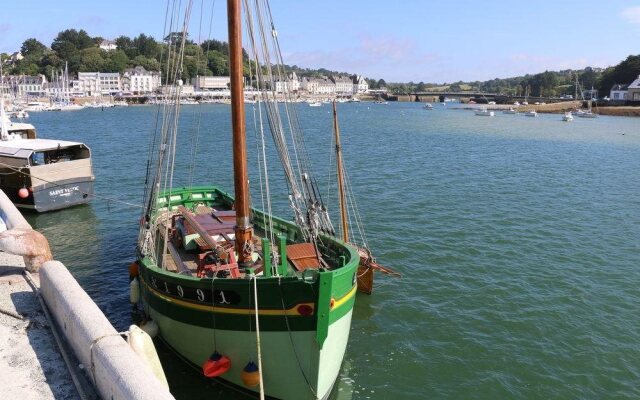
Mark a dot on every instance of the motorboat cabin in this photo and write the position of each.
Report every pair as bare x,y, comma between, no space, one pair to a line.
43,174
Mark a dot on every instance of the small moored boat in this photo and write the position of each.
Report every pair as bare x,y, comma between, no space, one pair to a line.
43,174
484,113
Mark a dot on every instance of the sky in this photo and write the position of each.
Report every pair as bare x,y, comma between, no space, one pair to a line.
399,41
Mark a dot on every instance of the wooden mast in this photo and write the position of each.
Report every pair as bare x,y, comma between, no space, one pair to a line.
244,228
343,200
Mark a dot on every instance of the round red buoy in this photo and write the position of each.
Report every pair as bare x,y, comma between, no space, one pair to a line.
216,365
23,193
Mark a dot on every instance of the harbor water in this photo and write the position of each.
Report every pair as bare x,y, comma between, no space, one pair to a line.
518,240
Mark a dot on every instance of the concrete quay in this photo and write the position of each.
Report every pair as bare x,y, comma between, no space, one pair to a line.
55,343
31,365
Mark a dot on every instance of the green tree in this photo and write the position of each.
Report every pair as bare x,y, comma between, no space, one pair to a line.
32,48
150,64
125,44
623,73
69,42
92,59
146,46
381,83
217,63
117,61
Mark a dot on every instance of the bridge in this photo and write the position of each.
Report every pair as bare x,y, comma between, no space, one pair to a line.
479,97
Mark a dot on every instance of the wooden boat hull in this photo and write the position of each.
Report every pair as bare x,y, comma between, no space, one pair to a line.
304,319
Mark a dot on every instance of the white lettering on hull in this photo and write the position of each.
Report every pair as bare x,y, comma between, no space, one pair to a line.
64,192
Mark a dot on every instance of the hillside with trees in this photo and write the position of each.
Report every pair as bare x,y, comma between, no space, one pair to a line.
83,54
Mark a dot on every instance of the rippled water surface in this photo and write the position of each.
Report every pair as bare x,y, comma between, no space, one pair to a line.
518,240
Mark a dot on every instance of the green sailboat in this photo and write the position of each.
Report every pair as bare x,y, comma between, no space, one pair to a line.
257,301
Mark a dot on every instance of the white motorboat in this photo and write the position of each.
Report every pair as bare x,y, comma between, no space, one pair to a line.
510,111
532,113
587,114
567,117
484,113
428,106
315,104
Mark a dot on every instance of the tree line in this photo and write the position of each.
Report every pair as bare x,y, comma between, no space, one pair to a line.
547,83
82,53
210,58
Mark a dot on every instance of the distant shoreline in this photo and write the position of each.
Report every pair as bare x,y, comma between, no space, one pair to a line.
559,108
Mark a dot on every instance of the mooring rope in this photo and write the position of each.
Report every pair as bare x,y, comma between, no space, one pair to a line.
100,197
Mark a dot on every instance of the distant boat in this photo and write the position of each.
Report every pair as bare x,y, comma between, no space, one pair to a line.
21,114
428,106
567,117
42,174
354,100
510,111
381,102
485,113
532,113
68,107
315,104
587,114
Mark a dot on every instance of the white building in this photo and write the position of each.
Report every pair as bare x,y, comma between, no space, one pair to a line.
326,86
108,45
618,92
634,90
25,85
171,90
15,57
139,81
203,83
98,83
318,86
290,84
344,85
360,84
309,85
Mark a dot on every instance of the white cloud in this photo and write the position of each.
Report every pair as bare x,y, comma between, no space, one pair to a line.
632,15
390,57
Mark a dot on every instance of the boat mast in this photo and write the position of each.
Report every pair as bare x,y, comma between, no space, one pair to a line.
343,200
244,228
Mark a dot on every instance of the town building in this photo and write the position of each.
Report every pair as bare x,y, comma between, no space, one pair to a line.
618,92
15,57
321,85
309,85
98,83
343,84
360,84
25,85
633,91
140,81
205,83
290,84
108,45
590,94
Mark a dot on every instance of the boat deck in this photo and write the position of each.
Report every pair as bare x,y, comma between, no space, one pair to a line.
186,248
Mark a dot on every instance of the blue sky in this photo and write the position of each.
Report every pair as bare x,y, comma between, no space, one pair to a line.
403,40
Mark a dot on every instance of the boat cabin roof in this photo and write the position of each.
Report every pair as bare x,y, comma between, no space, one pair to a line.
23,148
19,126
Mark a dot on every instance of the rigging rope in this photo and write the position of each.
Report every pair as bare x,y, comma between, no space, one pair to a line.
255,299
